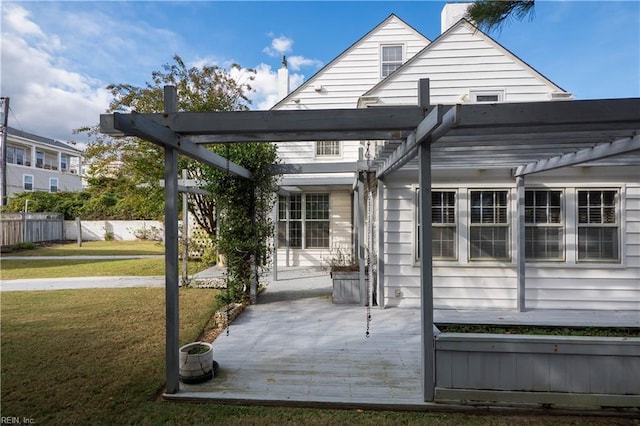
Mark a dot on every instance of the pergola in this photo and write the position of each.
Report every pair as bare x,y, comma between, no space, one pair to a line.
525,137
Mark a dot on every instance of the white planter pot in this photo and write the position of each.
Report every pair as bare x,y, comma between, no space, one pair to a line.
196,368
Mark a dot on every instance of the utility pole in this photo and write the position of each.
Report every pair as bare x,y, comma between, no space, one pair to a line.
3,152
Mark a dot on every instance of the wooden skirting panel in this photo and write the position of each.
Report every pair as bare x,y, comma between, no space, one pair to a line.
594,371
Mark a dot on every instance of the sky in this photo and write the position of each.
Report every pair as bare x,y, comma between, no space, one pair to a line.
57,57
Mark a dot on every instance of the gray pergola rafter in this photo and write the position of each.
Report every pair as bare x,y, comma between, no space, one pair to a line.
506,135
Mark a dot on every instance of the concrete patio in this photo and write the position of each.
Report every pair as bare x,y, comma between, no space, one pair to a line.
296,347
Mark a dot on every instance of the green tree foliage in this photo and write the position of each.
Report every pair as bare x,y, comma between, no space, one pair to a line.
206,88
245,208
492,14
106,199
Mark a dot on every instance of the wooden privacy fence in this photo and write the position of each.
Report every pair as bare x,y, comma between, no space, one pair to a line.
15,228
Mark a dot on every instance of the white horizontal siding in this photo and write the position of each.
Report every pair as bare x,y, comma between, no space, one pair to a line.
481,285
464,60
345,80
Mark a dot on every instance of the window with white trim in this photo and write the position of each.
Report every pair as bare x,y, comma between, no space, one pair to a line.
39,159
15,155
544,227
64,163
308,220
292,215
317,221
489,225
443,225
27,182
486,96
598,227
327,148
391,59
53,184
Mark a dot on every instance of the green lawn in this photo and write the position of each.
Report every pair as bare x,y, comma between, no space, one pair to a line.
96,356
97,248
54,268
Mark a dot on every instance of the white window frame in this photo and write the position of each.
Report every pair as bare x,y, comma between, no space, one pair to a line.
51,186
617,225
558,226
322,147
40,159
304,220
507,225
475,93
397,64
434,225
64,163
24,183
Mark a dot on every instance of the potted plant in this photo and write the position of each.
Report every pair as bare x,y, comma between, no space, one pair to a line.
196,362
344,271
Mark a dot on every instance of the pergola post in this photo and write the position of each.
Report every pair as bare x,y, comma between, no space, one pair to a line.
520,238
361,244
171,252
426,262
380,200
276,210
426,272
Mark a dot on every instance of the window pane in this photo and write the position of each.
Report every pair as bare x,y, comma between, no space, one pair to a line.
443,239
391,59
544,243
317,235
317,207
328,148
489,242
295,234
598,243
295,207
489,207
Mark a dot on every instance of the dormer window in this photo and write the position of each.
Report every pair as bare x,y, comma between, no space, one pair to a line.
486,96
391,59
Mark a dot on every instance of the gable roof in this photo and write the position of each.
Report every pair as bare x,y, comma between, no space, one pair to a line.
41,139
344,53
446,34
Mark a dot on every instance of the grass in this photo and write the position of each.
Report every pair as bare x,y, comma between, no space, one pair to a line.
97,248
54,268
60,268
96,356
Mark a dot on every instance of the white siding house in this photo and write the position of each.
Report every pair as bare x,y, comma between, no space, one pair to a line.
37,163
582,223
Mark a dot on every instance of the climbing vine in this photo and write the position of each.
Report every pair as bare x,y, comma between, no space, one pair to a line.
244,207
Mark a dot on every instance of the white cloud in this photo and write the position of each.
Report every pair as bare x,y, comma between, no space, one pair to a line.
265,85
46,99
297,62
279,46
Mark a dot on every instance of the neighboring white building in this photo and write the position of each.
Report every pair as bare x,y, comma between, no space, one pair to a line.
582,232
37,163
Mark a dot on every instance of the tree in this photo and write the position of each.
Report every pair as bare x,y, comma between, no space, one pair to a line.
492,14
206,88
244,205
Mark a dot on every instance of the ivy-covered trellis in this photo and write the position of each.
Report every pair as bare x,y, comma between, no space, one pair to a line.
244,207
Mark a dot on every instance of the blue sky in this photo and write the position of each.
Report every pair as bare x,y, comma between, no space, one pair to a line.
58,57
